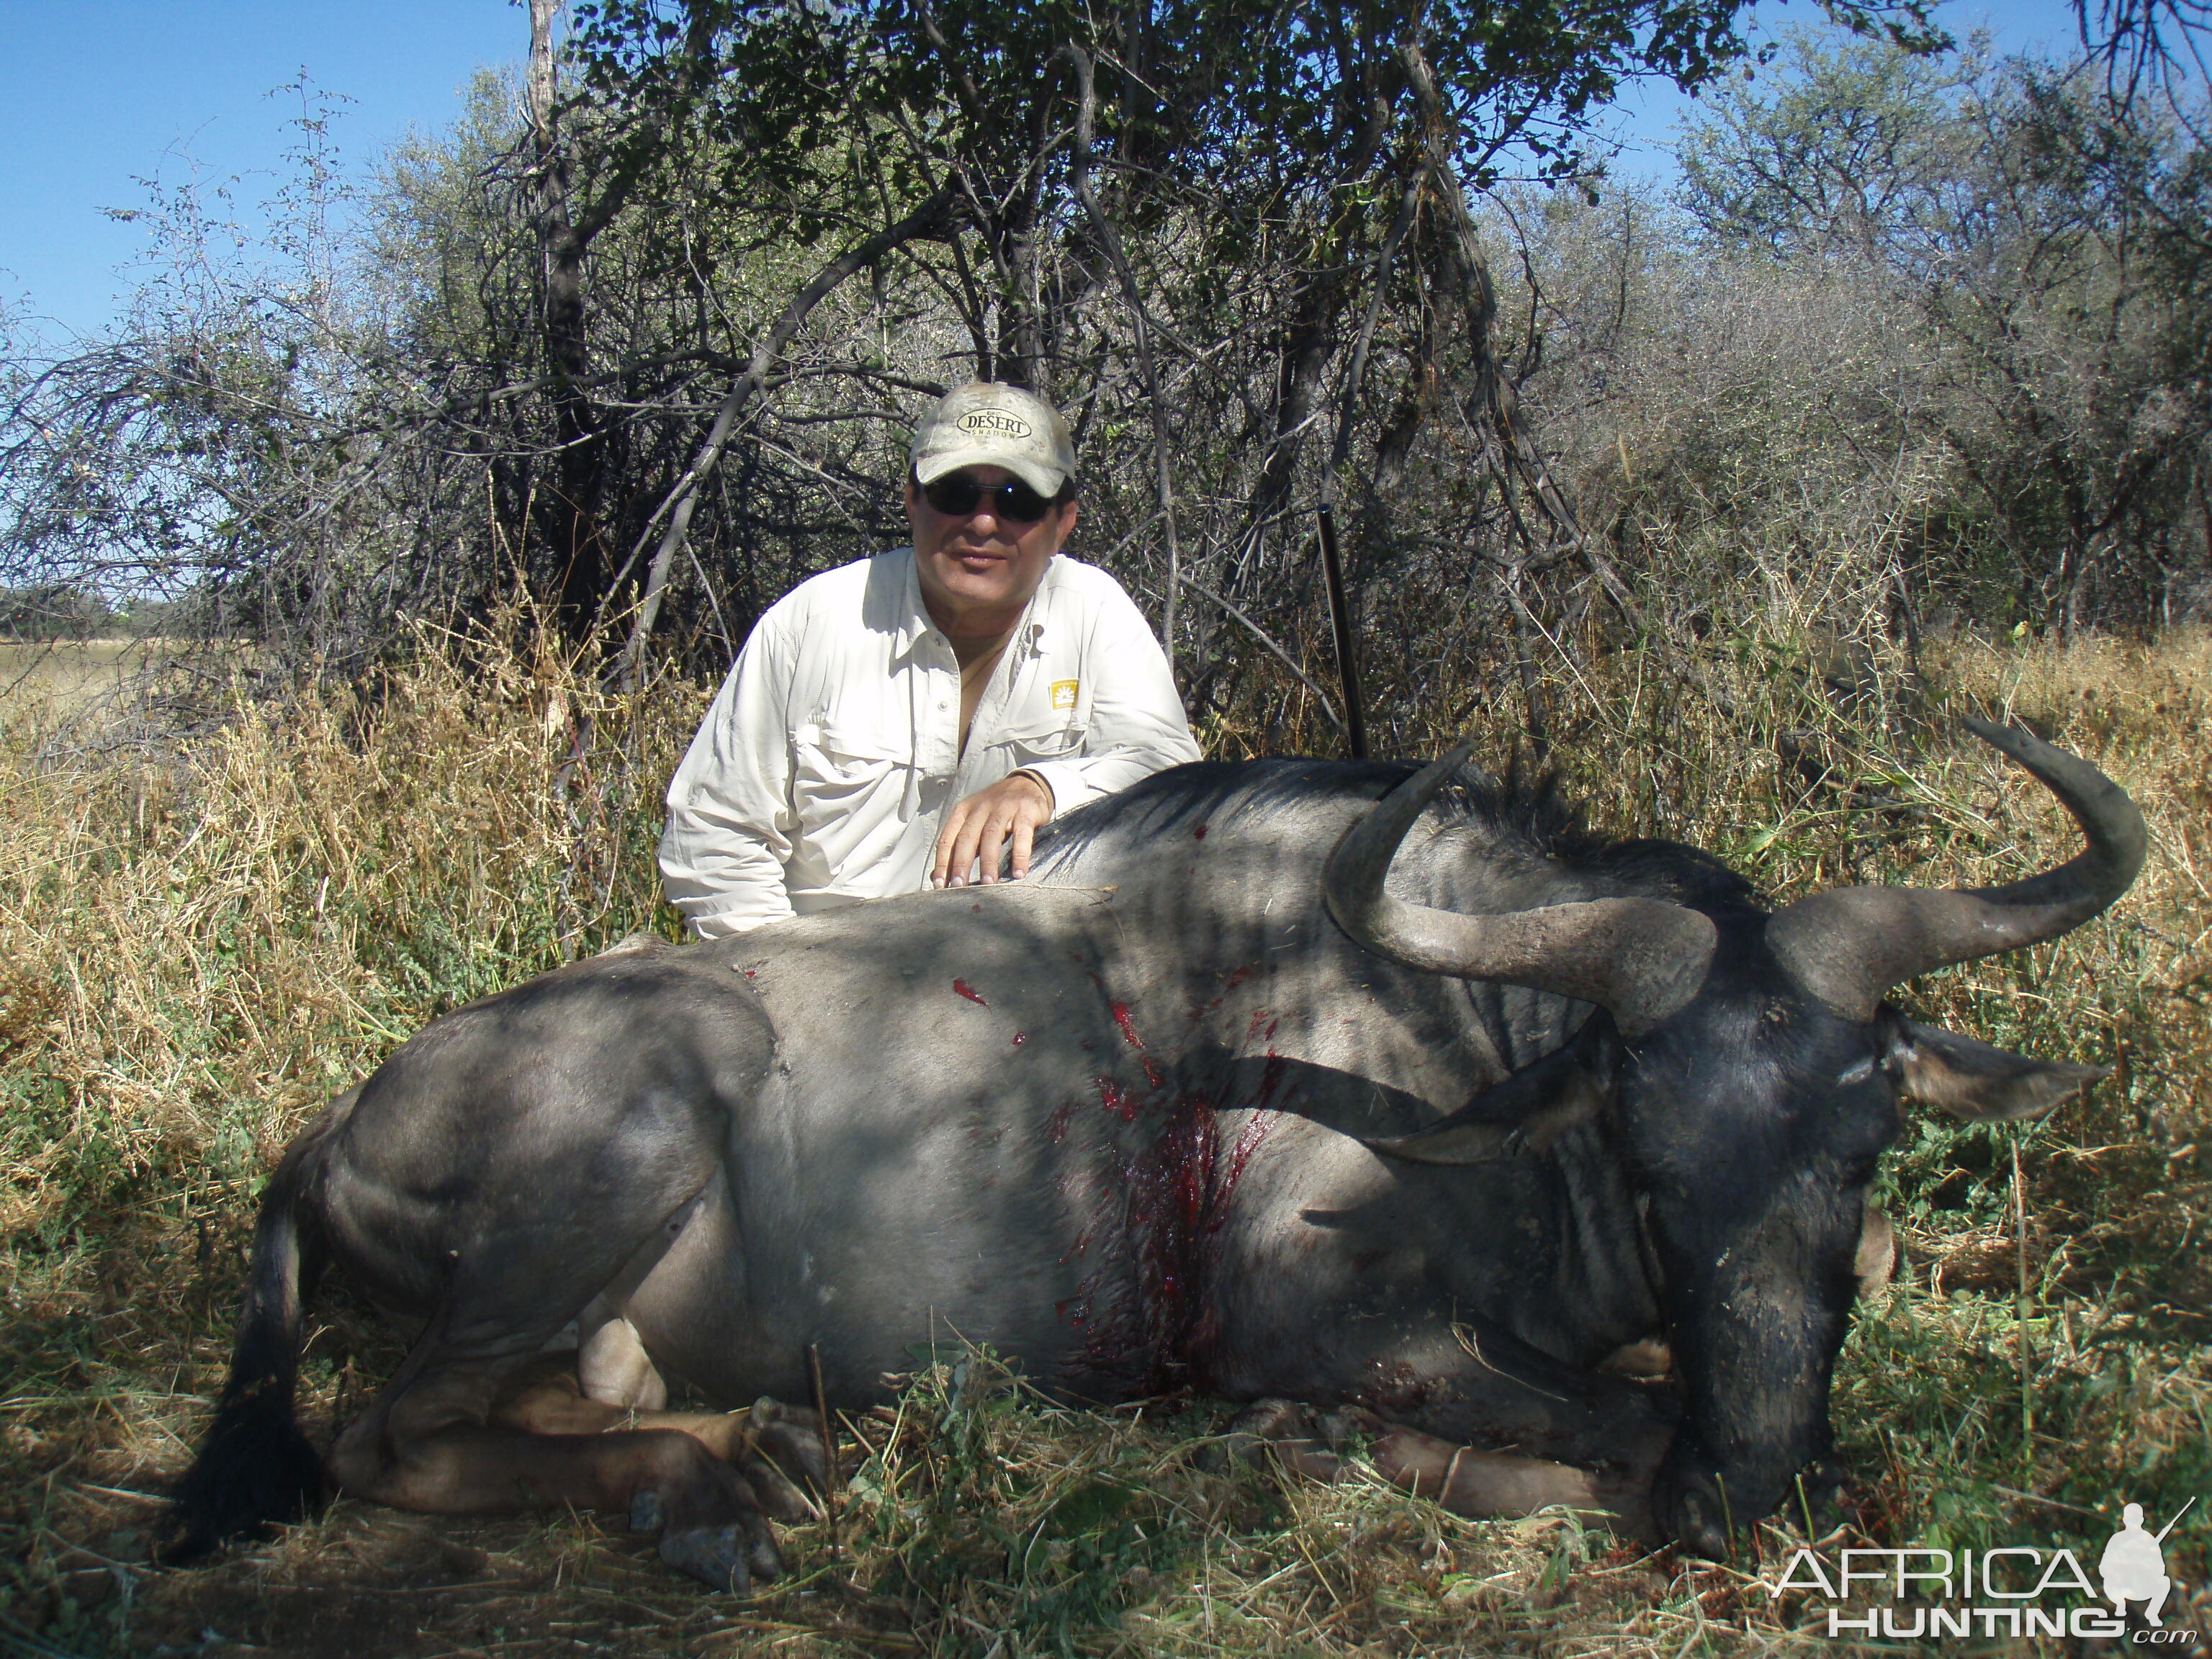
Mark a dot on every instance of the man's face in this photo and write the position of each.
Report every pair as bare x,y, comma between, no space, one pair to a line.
978,569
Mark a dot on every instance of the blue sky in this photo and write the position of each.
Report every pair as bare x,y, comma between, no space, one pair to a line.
95,93
1646,118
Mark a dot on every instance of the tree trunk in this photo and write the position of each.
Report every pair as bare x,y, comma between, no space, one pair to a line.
571,514
1300,360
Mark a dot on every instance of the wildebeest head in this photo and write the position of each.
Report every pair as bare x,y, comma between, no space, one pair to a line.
1753,1073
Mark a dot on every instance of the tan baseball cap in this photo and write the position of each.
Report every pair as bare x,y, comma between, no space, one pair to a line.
988,424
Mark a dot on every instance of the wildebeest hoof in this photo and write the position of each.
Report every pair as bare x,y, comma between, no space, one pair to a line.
1816,1500
779,1497
791,1438
645,1512
715,1556
1689,1504
1252,1431
1337,1428
1280,1429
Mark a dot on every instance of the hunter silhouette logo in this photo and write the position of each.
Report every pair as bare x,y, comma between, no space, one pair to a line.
996,422
2012,1590
2133,1566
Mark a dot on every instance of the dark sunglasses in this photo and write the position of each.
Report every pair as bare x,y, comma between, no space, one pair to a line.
957,494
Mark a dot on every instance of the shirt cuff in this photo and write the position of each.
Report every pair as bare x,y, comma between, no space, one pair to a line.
1065,780
1036,775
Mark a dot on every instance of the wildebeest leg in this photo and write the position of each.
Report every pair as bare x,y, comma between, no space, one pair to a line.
1470,1481
1463,1478
613,1366
1471,1383
1493,1427
1876,1264
429,1444
772,1446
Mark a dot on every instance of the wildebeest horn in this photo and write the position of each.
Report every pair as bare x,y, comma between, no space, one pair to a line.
1640,958
1849,946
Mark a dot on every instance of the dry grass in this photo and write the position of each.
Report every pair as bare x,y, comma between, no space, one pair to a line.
69,674
197,945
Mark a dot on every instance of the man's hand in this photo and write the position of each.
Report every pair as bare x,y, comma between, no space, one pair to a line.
979,826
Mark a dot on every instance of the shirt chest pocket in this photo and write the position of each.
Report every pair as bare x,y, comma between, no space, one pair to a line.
1059,738
832,762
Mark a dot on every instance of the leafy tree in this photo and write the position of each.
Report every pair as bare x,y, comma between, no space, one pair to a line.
2052,235
1322,153
1844,142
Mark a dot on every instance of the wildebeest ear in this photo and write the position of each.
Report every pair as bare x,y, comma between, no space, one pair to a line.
1528,1111
1975,1082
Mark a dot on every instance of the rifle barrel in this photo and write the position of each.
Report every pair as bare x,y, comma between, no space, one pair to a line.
2159,1536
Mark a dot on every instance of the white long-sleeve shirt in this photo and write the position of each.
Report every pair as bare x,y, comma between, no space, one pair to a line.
821,773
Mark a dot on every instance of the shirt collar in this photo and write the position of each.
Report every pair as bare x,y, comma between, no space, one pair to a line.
914,620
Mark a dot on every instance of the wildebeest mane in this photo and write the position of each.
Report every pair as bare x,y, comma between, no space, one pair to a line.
1523,814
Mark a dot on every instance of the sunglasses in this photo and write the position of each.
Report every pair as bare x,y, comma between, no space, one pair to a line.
957,495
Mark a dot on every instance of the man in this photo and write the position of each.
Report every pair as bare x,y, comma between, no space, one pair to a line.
2133,1567
898,722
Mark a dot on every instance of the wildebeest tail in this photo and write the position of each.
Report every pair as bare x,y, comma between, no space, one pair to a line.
256,1469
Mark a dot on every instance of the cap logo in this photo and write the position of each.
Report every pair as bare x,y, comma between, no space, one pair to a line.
992,422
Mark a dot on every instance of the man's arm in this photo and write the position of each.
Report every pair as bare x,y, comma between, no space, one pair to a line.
1137,725
729,816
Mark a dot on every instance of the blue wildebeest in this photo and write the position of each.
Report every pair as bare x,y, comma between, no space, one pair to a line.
1258,1086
